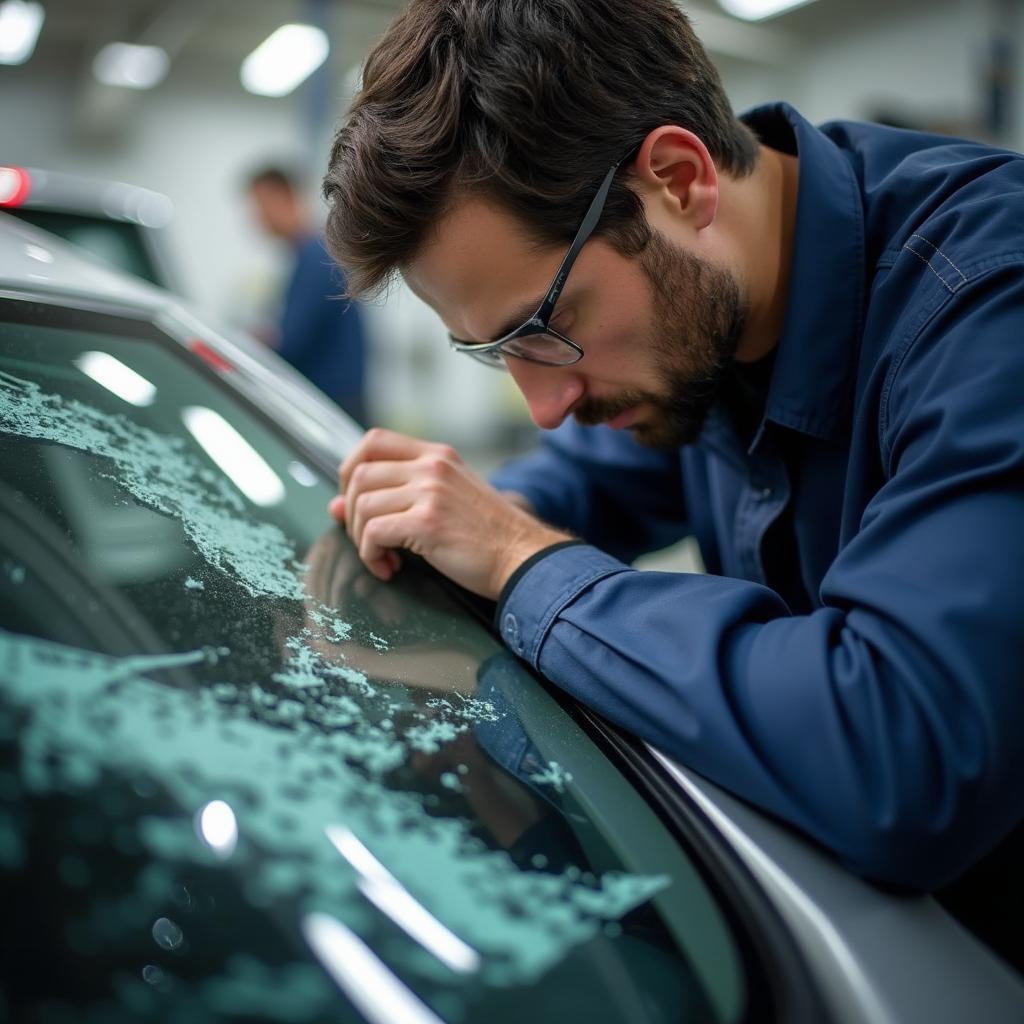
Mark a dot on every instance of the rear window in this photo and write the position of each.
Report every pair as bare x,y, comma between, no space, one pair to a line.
242,779
116,242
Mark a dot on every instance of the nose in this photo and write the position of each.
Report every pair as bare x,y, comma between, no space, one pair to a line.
550,391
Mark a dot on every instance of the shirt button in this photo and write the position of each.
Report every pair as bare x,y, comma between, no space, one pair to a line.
510,630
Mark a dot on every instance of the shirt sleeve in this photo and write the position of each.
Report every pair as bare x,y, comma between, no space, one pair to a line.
601,485
887,723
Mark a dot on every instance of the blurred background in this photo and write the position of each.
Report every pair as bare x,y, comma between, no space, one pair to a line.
177,97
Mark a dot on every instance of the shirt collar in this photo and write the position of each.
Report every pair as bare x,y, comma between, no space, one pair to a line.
811,385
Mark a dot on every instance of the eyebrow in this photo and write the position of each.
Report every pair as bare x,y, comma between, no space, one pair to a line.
518,317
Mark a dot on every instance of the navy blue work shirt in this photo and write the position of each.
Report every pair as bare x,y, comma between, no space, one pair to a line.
869,686
322,335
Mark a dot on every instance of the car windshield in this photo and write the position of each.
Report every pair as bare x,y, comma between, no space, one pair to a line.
240,776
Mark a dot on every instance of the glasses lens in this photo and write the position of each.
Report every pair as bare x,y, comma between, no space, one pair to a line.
542,348
489,357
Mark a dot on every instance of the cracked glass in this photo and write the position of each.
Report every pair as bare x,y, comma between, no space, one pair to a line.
240,779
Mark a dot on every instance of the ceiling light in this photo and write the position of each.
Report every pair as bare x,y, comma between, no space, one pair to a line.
20,23
131,67
285,59
759,10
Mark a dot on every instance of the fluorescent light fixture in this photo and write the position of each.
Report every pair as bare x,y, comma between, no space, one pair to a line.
20,24
121,380
284,59
367,981
216,824
759,10
131,67
246,468
390,897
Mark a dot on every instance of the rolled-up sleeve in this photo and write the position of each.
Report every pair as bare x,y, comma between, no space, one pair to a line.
887,722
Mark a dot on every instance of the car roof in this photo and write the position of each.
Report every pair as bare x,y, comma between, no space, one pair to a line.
71,193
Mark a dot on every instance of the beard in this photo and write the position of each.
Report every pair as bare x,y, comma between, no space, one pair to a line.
701,316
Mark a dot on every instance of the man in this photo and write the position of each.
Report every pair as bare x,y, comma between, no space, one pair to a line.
321,336
805,347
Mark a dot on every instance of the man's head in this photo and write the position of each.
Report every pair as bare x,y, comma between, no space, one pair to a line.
482,133
276,196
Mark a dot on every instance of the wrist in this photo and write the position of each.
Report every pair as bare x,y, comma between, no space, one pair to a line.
517,553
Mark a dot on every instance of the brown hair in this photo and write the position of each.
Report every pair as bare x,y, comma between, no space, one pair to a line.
524,102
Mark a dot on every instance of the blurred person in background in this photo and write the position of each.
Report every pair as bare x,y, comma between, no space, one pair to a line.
320,334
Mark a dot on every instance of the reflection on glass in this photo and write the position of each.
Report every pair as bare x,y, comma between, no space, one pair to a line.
117,378
302,474
374,989
167,934
234,455
386,893
217,825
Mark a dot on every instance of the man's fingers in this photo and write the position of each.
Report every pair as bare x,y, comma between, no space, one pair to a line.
382,534
368,505
369,476
378,445
383,566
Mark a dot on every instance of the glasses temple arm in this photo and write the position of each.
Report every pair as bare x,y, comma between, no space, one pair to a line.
590,219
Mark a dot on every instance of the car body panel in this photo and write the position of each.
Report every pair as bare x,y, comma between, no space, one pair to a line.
880,957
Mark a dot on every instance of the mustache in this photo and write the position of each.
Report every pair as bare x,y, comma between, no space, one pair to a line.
593,411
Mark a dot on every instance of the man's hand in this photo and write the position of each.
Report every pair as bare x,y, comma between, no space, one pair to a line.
398,492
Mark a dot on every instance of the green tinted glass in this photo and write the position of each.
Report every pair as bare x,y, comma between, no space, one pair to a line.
116,242
240,775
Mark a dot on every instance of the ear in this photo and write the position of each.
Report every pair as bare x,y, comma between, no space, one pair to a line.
676,172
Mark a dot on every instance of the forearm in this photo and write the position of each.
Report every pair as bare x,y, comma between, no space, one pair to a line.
841,722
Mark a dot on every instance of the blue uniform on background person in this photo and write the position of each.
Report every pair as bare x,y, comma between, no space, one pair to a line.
320,334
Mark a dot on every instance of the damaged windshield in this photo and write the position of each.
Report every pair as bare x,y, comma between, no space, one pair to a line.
239,774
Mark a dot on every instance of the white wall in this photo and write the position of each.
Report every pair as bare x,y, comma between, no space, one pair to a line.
921,60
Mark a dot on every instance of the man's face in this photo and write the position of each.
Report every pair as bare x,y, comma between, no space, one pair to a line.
657,331
275,208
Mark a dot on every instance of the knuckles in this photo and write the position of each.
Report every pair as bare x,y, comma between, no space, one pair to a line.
359,506
374,436
438,467
358,475
447,454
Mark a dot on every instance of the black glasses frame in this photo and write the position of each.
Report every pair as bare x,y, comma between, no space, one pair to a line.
491,352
